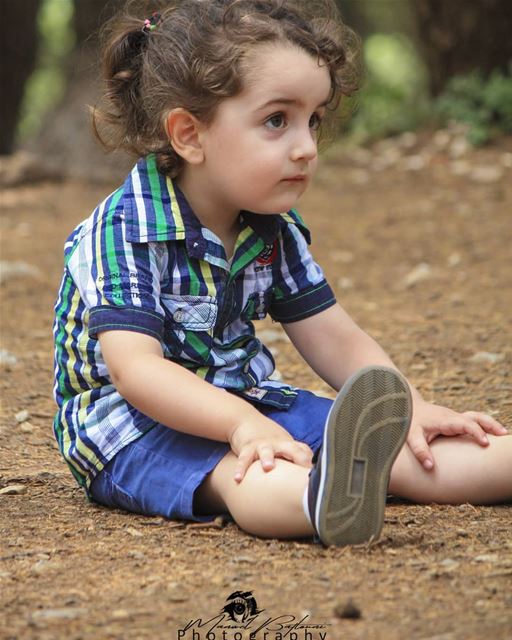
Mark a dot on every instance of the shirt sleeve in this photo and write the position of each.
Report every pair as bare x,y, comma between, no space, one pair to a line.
302,289
119,281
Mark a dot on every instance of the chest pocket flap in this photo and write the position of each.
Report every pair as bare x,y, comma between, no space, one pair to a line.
192,313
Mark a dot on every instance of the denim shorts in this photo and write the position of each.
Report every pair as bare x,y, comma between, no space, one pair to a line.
158,473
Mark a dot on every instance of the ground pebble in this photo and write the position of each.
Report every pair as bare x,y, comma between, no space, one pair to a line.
485,357
7,358
22,416
13,490
70,613
420,273
9,270
348,610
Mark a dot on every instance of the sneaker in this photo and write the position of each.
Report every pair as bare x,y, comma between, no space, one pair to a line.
364,432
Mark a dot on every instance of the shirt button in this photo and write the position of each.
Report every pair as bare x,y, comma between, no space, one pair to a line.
247,366
179,315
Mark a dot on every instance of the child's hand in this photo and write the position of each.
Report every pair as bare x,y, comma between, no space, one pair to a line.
430,420
266,440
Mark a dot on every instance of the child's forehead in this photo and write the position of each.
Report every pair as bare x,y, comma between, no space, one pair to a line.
284,71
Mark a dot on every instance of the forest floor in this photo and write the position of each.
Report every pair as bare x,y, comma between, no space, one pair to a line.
414,234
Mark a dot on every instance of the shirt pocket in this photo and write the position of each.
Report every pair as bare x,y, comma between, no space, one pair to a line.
190,321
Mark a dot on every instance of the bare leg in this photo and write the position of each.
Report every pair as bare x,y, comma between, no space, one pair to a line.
266,504
464,472
269,504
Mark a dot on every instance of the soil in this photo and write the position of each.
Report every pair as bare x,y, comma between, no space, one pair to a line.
418,251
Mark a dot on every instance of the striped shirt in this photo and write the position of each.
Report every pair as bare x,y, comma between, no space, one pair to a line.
143,262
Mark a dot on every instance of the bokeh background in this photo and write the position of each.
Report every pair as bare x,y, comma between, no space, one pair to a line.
427,62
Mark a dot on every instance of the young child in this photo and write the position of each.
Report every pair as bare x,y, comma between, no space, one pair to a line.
166,401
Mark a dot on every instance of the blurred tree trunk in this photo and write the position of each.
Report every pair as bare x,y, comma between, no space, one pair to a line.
66,140
459,36
18,50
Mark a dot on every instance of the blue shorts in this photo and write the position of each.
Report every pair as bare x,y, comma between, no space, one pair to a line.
159,473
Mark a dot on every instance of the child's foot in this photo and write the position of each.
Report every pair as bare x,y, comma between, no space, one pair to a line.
364,432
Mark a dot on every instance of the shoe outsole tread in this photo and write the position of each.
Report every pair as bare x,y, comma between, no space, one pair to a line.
366,428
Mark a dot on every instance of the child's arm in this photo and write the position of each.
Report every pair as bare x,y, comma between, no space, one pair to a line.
335,347
177,398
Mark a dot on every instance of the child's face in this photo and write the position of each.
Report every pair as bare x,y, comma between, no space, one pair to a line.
260,151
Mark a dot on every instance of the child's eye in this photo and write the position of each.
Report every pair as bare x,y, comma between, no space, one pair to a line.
277,121
315,121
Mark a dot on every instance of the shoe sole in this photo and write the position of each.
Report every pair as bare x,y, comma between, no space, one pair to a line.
365,430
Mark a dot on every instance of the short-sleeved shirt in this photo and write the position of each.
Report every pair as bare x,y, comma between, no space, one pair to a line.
143,262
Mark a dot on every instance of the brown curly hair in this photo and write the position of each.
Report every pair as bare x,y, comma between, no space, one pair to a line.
194,59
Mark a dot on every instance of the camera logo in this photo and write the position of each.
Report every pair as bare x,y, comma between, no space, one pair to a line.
240,606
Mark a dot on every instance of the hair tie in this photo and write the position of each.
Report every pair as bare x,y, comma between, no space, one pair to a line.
150,24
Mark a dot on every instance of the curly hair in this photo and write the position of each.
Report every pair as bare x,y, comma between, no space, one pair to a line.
194,59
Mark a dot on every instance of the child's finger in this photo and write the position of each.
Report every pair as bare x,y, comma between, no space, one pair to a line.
296,452
266,455
419,446
487,422
245,459
473,429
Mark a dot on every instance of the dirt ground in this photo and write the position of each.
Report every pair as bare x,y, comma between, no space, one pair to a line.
415,237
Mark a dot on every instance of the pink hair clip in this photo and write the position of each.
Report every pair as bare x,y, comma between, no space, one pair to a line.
150,24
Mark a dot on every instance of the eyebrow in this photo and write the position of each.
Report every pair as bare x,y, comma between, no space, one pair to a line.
280,101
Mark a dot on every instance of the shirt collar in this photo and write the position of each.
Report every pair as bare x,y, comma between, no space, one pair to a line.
156,210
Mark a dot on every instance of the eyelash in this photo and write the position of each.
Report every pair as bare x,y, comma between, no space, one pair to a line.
316,117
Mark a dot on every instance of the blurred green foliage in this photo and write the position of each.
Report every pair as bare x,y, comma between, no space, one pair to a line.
394,94
46,85
483,104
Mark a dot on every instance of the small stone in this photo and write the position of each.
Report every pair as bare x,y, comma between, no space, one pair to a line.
449,563
486,357
13,490
414,163
10,270
7,359
420,273
70,613
487,174
442,138
454,259
506,160
459,147
135,533
22,416
486,558
26,427
176,597
120,614
43,566
407,140
349,610
345,283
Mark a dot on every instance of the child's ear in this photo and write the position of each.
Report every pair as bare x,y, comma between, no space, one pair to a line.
183,131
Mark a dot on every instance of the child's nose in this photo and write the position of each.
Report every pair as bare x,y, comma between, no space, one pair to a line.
304,147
